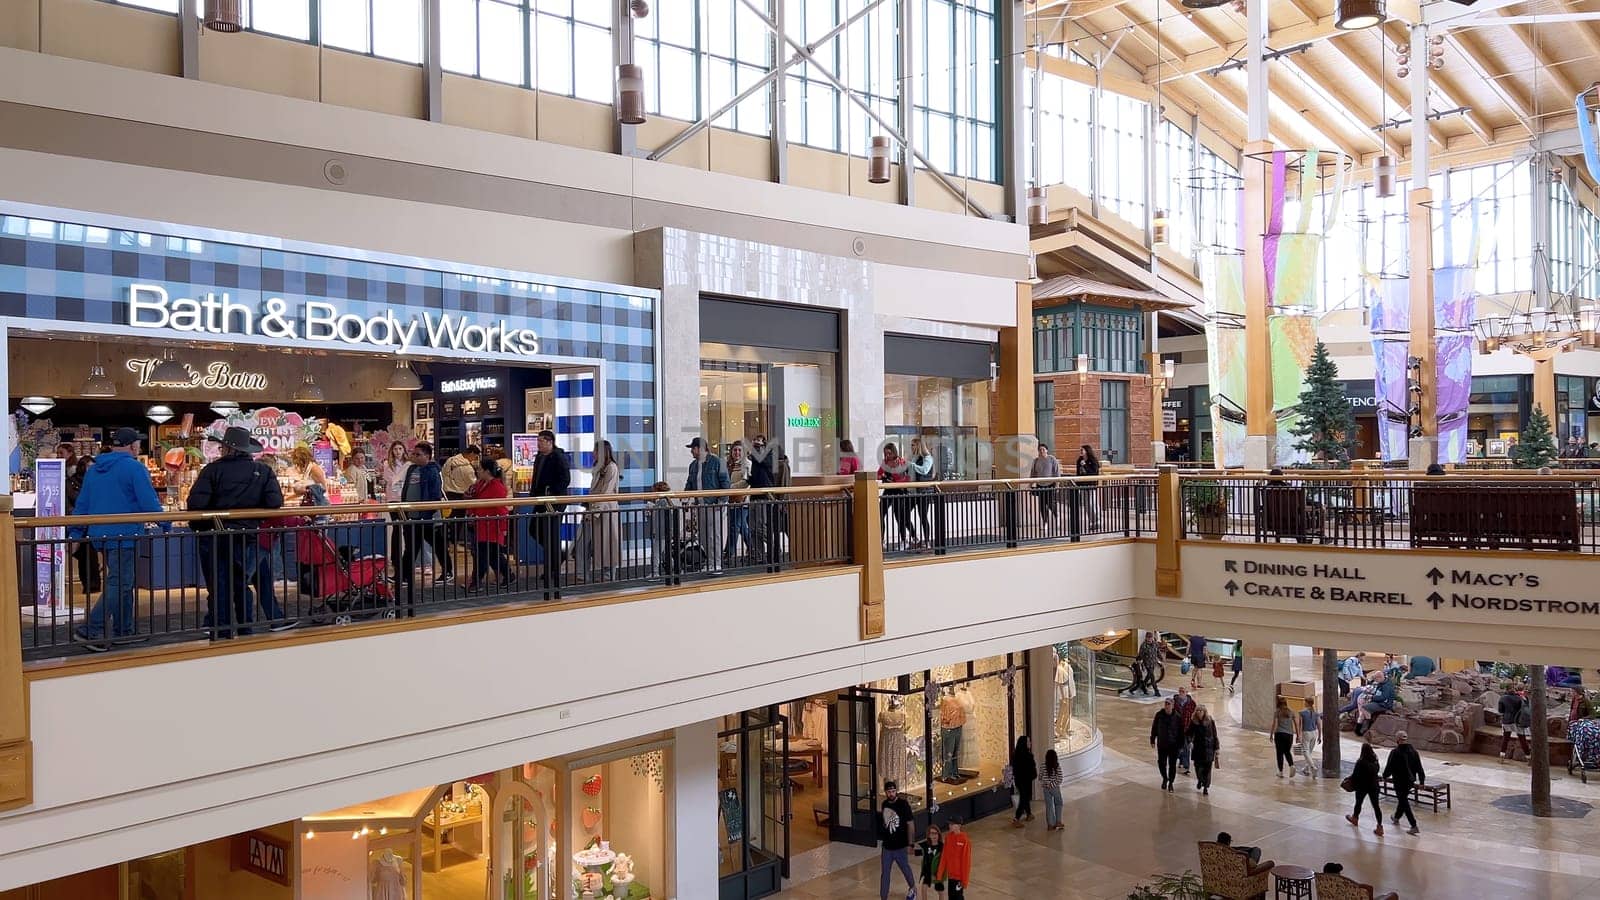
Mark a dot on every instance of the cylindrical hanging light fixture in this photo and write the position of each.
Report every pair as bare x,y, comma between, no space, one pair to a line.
630,94
878,159
403,379
226,16
1038,206
1158,228
1353,15
1383,172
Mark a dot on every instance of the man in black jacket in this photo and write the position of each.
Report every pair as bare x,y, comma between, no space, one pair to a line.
552,475
228,550
1404,770
761,464
1166,735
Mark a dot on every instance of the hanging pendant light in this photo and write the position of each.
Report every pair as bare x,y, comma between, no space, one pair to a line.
1383,173
309,391
1353,15
97,385
1038,206
159,413
169,373
878,160
1205,4
630,94
1158,228
226,16
403,379
37,405
224,407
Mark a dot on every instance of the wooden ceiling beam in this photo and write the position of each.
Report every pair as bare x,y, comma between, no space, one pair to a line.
1471,50
1530,42
1278,38
1399,94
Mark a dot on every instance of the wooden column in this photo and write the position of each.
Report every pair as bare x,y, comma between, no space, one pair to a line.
1169,526
1424,451
1260,425
868,552
16,747
1544,387
1014,440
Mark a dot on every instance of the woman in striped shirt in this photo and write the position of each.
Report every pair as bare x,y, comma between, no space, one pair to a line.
1051,785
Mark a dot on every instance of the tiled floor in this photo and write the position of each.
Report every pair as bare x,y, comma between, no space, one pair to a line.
1121,829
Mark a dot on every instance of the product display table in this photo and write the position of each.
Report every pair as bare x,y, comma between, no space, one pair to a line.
808,748
437,831
1292,881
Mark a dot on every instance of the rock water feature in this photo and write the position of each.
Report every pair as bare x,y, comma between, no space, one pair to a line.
1440,713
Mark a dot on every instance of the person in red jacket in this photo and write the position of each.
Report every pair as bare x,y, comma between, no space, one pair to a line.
490,526
955,866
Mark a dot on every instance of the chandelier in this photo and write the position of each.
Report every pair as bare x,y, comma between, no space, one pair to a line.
1542,327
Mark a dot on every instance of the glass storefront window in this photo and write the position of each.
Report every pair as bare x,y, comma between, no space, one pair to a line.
951,417
616,825
791,396
1494,414
1074,698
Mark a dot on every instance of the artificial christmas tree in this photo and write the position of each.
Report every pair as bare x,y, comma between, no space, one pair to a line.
1327,425
1536,446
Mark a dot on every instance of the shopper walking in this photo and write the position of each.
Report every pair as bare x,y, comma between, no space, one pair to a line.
1166,735
1238,664
1524,722
895,469
738,509
1136,677
1024,771
1088,466
849,462
1364,782
228,550
707,473
1510,709
598,548
1197,660
552,476
1349,673
459,473
1151,653
422,484
83,552
1404,771
1183,704
116,483
955,866
1045,466
765,517
1050,786
1310,735
491,526
931,851
921,499
895,827
1285,729
1203,746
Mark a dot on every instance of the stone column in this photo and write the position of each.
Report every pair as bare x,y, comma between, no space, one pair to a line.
694,811
1263,670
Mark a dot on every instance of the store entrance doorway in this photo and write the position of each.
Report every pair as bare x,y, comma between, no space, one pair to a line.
755,782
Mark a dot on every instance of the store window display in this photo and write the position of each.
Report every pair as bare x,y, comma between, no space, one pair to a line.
616,826
1073,698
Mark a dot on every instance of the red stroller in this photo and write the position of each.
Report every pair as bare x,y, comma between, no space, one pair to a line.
344,589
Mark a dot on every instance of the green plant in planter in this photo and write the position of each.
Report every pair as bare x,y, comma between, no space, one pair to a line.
1207,503
1186,886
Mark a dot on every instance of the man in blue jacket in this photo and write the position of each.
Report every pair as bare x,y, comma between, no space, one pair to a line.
423,483
117,483
707,473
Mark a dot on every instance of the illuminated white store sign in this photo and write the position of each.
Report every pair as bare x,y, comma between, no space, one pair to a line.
468,385
216,376
149,306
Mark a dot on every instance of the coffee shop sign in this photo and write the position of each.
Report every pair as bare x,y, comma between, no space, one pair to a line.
150,306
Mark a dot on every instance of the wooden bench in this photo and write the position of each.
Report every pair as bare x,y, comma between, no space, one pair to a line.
1432,793
1493,515
1283,511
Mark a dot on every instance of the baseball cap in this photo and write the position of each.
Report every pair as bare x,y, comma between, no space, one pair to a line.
124,437
697,442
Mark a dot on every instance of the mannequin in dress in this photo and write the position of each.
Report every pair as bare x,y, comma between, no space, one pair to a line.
1066,690
952,717
968,757
388,877
892,743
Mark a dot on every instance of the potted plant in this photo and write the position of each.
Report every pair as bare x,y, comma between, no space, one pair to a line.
1170,887
1207,504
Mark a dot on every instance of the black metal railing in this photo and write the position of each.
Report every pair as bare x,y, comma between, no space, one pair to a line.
945,517
1389,510
95,584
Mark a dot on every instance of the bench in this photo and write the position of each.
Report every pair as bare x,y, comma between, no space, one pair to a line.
1537,516
1432,793
1283,511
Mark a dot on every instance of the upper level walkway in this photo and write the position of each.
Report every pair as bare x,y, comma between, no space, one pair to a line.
673,609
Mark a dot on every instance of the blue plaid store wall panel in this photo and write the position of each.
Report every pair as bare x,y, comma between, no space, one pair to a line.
67,268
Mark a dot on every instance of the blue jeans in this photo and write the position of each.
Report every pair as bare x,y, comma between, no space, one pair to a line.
892,858
230,557
738,527
1052,807
117,599
1183,755
268,567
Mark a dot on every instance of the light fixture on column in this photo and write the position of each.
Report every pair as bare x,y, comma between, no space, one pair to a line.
639,8
630,94
1383,172
1083,367
226,16
309,391
97,385
878,159
402,378
1038,206
1158,228
37,405
1353,15
224,407
159,413
169,373
1164,379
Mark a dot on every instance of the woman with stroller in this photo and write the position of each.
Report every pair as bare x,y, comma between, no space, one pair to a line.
490,527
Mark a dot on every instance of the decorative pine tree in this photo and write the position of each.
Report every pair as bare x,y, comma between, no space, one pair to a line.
1536,446
1327,425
